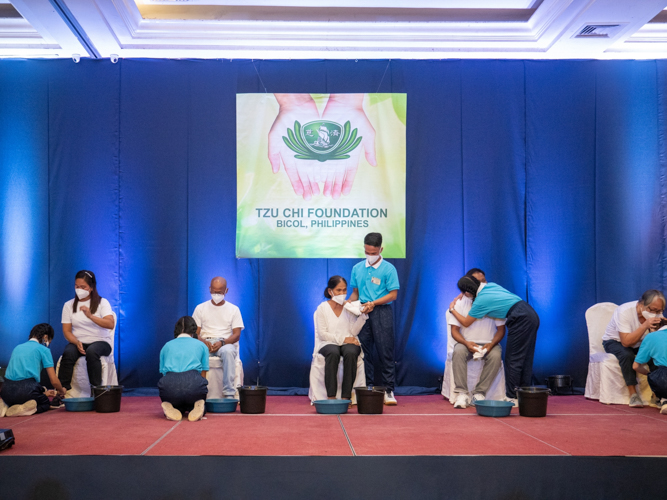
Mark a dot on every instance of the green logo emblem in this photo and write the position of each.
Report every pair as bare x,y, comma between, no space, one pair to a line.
322,140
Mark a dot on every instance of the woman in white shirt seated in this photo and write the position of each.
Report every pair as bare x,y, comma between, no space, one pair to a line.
87,320
337,331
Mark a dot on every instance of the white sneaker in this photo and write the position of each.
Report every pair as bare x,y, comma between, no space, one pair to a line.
389,399
170,412
197,412
462,400
27,408
655,401
663,406
477,397
3,408
636,401
511,400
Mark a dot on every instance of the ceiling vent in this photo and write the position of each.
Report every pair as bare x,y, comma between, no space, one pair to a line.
598,31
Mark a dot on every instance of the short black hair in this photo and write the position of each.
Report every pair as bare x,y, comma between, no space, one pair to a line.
373,240
42,330
469,284
475,270
186,324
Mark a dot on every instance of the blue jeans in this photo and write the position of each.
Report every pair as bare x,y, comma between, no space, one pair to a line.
657,380
227,354
183,389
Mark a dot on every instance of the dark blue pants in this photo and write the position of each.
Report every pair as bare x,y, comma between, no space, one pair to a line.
625,356
522,324
657,380
17,392
183,390
332,354
71,355
379,332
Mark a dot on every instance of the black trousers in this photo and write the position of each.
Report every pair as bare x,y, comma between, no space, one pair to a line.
183,389
657,380
626,357
522,324
332,354
379,332
71,355
17,392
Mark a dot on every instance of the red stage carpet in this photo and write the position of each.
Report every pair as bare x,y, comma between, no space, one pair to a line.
419,425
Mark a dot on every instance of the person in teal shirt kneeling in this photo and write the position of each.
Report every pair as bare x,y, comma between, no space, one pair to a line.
22,394
492,300
184,363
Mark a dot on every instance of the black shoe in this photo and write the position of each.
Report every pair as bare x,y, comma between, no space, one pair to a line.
57,402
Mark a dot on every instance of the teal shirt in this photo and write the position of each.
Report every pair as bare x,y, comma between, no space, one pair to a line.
653,347
374,283
493,301
182,355
27,361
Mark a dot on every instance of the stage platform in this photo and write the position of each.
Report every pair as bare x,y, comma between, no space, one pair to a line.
419,425
423,434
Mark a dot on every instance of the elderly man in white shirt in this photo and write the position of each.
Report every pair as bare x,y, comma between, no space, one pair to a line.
481,338
219,325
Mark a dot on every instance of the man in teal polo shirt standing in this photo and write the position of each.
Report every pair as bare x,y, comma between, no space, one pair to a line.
375,283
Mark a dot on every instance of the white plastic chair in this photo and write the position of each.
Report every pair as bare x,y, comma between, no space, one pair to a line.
497,389
80,383
605,379
214,376
318,390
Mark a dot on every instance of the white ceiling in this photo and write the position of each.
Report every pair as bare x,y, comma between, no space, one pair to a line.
332,29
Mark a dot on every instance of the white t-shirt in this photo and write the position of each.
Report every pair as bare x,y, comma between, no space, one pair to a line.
624,320
83,328
482,330
217,322
332,329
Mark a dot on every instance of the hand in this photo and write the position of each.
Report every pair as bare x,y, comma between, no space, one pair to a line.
215,347
652,323
351,340
301,173
368,307
339,174
62,391
472,347
85,310
50,393
79,346
452,304
488,347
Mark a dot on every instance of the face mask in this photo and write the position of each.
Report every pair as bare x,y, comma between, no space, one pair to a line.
45,343
338,299
217,297
81,293
650,315
372,259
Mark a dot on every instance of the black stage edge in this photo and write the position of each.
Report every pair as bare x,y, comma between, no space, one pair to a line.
192,478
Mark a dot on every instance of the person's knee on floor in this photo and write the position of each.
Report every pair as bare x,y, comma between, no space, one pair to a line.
22,393
183,364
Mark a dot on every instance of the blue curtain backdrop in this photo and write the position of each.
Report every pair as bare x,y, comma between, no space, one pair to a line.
550,175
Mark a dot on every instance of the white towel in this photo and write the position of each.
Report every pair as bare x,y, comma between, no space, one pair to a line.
354,307
479,354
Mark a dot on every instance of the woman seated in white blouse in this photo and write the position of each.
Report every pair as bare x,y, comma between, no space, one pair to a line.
337,331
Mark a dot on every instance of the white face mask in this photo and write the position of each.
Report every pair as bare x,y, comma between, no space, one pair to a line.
372,259
650,315
45,343
217,297
338,299
81,293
